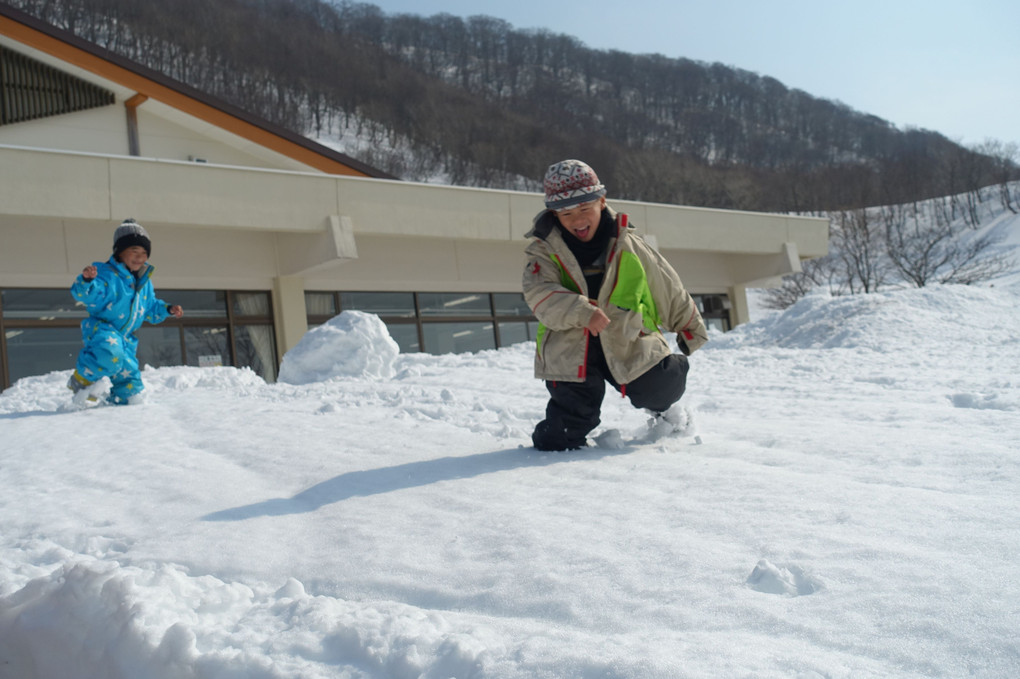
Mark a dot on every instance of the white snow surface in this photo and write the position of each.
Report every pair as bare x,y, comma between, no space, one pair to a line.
851,510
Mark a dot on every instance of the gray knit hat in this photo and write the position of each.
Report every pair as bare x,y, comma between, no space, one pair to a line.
131,233
569,183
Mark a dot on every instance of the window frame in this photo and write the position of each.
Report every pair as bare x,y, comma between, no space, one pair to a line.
419,320
713,306
230,319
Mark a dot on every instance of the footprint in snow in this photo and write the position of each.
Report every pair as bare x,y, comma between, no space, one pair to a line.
784,580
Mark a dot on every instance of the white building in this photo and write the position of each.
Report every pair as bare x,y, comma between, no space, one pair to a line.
259,233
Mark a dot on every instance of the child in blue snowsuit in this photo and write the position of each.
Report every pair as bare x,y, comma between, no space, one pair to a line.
119,296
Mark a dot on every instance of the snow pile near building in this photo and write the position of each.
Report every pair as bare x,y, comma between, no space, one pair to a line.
353,344
883,321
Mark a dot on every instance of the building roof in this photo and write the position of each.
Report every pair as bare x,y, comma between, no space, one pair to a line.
90,57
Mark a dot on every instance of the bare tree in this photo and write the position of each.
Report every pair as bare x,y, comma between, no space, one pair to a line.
943,251
858,244
1007,170
975,260
815,273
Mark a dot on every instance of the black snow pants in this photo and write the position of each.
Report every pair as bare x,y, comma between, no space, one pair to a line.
574,407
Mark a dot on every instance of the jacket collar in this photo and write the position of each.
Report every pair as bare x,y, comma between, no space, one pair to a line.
545,222
122,271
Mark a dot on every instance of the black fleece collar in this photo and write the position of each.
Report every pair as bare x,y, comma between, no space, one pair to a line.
587,253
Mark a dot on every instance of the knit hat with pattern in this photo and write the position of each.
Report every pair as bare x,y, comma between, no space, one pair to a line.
131,233
569,183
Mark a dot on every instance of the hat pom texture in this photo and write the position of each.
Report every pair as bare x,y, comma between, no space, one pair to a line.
131,233
569,183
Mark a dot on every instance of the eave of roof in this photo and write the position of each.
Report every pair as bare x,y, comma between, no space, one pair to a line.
68,47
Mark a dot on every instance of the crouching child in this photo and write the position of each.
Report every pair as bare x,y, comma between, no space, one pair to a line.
602,297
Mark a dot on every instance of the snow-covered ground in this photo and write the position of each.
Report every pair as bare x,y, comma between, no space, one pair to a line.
851,510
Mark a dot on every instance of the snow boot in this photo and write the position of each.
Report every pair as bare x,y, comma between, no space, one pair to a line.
80,387
549,436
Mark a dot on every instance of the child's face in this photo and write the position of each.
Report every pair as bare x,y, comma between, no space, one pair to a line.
134,258
582,220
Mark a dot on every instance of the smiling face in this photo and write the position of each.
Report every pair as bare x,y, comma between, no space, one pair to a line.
133,258
582,220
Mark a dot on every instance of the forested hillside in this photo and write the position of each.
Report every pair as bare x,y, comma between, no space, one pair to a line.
477,102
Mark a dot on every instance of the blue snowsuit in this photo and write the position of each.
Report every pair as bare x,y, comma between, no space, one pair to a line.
118,302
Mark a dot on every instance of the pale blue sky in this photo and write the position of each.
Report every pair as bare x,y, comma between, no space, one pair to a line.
952,66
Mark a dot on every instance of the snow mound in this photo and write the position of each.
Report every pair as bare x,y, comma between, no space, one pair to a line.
883,321
106,620
44,393
49,393
353,344
769,578
186,378
990,401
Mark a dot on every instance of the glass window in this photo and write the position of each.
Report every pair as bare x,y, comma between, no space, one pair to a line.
159,345
52,339
251,304
715,310
41,304
256,348
406,336
379,303
320,304
447,338
197,303
515,332
453,304
510,304
37,351
719,324
206,346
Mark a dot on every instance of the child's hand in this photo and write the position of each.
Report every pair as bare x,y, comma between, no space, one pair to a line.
89,272
176,311
599,322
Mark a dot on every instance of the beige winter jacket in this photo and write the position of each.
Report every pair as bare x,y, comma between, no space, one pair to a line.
641,294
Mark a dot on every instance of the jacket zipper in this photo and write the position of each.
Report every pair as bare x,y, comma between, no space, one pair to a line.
582,370
621,226
136,284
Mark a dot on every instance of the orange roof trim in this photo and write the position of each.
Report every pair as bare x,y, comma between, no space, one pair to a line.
148,83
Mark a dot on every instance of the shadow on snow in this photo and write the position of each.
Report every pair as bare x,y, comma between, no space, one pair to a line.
403,476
